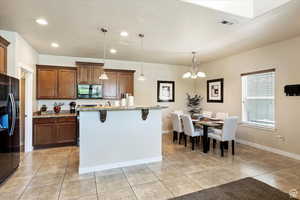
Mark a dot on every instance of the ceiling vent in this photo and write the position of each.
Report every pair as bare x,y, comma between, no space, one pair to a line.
227,22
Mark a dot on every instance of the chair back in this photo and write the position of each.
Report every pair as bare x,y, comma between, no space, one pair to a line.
221,116
229,128
207,114
188,126
176,122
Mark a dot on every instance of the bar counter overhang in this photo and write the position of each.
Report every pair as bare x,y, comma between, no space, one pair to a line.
119,137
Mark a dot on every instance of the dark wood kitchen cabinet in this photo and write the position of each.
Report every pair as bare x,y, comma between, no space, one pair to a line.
88,73
3,55
119,82
110,86
54,131
54,82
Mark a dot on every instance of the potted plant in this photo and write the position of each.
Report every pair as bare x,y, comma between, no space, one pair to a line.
194,105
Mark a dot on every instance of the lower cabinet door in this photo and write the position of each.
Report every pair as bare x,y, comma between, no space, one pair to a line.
66,133
44,134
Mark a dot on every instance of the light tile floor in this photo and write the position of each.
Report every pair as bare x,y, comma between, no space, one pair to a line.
51,174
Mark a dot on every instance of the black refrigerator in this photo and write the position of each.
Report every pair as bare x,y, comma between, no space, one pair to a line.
9,126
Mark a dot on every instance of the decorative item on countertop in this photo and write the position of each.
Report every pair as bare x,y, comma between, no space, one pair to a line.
57,107
72,107
194,105
130,101
43,109
103,115
117,103
292,90
123,102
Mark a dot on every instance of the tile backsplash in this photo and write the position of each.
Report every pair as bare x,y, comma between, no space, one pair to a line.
50,103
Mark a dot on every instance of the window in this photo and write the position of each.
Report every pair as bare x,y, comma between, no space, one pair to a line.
258,98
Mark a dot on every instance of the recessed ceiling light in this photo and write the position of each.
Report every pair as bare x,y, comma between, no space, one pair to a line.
41,21
124,34
113,51
55,45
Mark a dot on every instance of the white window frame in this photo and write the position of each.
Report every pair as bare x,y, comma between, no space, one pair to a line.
244,97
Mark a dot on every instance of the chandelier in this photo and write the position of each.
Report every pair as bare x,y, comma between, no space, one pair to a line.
194,73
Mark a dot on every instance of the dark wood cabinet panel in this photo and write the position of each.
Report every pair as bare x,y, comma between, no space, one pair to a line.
66,133
83,74
44,134
67,84
54,82
3,55
125,83
110,87
88,73
2,60
96,72
53,131
47,83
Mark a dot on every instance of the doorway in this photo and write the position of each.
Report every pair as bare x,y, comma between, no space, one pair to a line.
22,111
26,107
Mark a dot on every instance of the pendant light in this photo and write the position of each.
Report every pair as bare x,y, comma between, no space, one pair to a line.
193,74
142,76
103,75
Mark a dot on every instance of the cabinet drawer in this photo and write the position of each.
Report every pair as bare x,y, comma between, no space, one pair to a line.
44,120
66,119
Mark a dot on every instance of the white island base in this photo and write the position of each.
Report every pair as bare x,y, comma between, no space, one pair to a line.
123,139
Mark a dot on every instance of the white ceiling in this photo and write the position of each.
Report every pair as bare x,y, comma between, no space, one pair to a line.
172,28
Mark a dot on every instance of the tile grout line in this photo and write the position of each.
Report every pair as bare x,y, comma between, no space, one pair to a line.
131,187
63,179
95,179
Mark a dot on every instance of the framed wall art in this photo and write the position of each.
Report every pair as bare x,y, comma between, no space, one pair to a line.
215,91
165,91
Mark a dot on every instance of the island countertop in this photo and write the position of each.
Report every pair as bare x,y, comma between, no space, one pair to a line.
119,108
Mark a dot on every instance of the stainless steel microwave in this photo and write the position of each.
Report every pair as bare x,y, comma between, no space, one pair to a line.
86,91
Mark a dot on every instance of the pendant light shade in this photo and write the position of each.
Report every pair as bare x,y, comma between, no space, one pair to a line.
103,75
194,73
142,76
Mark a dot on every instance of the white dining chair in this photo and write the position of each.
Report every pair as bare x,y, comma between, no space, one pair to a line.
189,130
207,114
221,116
226,134
177,126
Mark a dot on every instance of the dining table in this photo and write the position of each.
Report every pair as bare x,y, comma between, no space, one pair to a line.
207,123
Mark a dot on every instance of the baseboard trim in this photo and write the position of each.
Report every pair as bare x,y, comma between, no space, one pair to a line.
270,149
83,170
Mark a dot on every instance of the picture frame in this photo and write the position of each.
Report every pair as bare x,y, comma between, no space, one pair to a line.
165,91
215,91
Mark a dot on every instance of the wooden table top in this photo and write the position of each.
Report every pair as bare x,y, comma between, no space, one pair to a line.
210,123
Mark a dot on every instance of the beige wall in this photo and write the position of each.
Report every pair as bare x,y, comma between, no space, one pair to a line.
144,92
283,56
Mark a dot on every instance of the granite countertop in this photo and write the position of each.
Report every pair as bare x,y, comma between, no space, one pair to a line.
63,113
119,108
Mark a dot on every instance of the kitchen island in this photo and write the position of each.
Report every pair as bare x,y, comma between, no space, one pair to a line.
112,137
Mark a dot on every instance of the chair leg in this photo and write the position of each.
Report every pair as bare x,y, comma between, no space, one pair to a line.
175,136
214,143
185,138
232,143
225,144
222,148
193,143
180,136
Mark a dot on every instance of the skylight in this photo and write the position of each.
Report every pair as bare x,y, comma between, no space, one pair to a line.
243,8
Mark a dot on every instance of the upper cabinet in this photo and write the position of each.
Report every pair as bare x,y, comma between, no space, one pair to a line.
3,55
56,82
119,82
88,73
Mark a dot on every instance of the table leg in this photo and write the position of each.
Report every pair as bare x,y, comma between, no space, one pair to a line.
205,132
